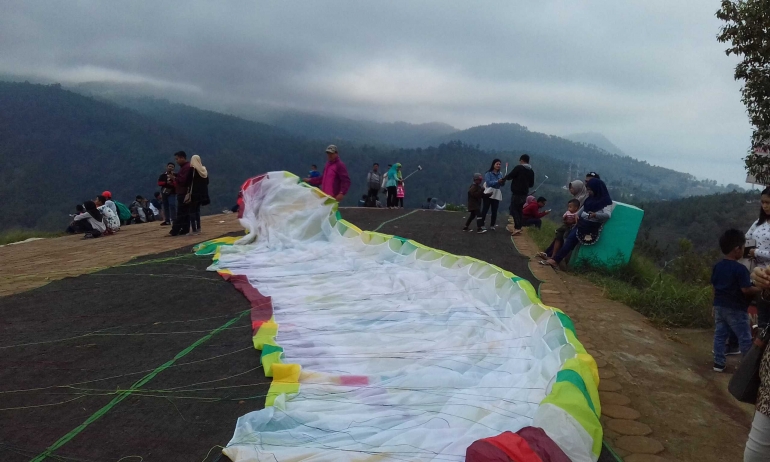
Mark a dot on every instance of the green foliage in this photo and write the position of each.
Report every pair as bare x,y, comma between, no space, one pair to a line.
746,27
455,208
676,295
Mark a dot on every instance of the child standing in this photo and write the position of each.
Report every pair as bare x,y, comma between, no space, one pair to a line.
400,194
475,195
732,291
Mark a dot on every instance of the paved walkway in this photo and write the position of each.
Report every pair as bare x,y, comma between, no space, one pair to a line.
660,401
34,264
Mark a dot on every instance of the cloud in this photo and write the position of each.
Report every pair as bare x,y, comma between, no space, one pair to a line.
649,75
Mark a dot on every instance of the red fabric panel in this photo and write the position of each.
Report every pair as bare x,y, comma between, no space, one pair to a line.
261,306
543,445
354,380
515,446
484,451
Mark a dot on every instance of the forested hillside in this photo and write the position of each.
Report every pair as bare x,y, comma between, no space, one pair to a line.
628,171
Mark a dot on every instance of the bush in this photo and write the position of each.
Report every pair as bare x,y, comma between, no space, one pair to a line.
18,235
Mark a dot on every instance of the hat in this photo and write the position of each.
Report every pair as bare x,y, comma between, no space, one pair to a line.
331,149
107,194
593,175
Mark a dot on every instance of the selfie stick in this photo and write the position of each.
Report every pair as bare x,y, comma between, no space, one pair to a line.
541,184
418,169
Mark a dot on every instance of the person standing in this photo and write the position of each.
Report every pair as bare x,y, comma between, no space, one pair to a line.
400,194
335,180
394,176
758,443
199,192
494,180
373,182
522,177
760,233
182,182
166,183
475,195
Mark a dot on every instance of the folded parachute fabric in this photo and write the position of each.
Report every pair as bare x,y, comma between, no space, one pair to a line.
380,348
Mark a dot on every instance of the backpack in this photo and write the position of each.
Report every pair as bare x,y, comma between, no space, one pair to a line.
123,212
149,215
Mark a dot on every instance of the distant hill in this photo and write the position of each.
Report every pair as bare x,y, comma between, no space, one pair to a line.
596,139
616,170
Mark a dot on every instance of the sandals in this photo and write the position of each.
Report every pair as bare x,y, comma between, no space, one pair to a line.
541,255
545,263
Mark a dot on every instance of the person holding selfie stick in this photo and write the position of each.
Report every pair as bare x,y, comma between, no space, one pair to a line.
759,233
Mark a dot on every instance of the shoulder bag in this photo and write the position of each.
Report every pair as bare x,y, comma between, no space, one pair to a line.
744,385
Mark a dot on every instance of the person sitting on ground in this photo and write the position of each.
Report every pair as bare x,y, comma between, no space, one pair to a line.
426,205
434,204
732,291
156,205
137,210
362,201
111,220
475,196
109,202
90,223
79,210
591,175
531,211
596,210
313,176
578,190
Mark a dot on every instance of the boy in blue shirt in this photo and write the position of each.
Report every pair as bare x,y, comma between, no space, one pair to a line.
732,293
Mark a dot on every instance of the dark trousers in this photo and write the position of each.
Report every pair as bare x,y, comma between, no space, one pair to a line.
392,196
400,202
83,227
473,214
195,215
169,208
536,222
763,313
517,205
570,242
182,222
561,233
489,204
371,196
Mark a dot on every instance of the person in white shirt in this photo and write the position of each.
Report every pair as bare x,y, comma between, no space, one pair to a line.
111,219
760,233
91,223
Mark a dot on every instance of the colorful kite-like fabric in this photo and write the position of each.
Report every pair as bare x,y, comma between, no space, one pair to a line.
382,349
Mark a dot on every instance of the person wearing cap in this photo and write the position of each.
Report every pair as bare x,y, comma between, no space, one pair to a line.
109,203
590,175
335,180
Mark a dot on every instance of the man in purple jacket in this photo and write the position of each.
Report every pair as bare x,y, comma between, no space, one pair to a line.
335,180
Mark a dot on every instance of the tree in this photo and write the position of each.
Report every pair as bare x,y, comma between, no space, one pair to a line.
747,30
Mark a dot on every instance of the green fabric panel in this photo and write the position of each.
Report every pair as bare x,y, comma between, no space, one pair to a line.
568,397
566,322
402,239
267,349
567,375
617,239
338,215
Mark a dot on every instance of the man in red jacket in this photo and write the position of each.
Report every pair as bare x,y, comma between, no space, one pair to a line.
335,180
531,212
182,183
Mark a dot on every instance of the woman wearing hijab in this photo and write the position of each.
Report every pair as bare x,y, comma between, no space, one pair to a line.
394,176
91,223
596,210
492,194
578,190
199,192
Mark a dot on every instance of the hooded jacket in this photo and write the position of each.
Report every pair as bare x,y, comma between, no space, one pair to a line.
393,176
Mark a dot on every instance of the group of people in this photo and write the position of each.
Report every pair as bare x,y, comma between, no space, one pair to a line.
104,216
182,194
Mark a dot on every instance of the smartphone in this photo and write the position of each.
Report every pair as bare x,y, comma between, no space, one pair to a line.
750,244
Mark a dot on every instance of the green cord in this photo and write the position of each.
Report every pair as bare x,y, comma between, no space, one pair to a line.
138,384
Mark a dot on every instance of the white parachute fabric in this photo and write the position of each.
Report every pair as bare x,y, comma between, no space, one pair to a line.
406,353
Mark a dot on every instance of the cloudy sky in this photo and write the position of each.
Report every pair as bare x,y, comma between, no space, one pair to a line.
649,74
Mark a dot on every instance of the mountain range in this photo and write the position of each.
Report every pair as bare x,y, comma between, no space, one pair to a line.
59,147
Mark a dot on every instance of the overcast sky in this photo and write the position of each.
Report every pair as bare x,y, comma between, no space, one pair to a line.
649,74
